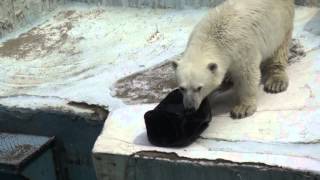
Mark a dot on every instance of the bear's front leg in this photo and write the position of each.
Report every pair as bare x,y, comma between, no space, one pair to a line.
275,69
246,88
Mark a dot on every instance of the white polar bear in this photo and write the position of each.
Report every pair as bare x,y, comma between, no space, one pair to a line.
237,37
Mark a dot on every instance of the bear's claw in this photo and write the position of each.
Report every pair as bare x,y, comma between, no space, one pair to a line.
276,84
242,111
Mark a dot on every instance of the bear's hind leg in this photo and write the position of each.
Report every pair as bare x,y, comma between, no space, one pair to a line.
274,70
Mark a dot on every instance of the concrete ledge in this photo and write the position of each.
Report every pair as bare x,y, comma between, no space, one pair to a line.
159,166
75,126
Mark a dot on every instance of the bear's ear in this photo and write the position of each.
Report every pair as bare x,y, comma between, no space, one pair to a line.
212,67
174,64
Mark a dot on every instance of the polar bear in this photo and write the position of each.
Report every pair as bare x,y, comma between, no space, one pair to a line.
236,38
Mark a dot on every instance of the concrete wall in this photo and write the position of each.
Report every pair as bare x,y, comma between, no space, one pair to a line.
175,3
17,13
75,135
178,4
308,2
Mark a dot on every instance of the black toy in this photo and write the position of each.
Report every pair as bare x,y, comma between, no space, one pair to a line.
168,125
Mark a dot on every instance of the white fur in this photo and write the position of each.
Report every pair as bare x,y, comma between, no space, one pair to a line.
237,35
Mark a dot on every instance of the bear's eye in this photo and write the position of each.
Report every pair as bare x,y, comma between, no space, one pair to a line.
182,89
198,89
212,67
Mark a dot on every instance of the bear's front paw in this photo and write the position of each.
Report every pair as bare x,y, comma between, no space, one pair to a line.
242,111
276,83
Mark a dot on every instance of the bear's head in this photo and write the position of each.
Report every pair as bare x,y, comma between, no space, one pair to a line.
197,75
